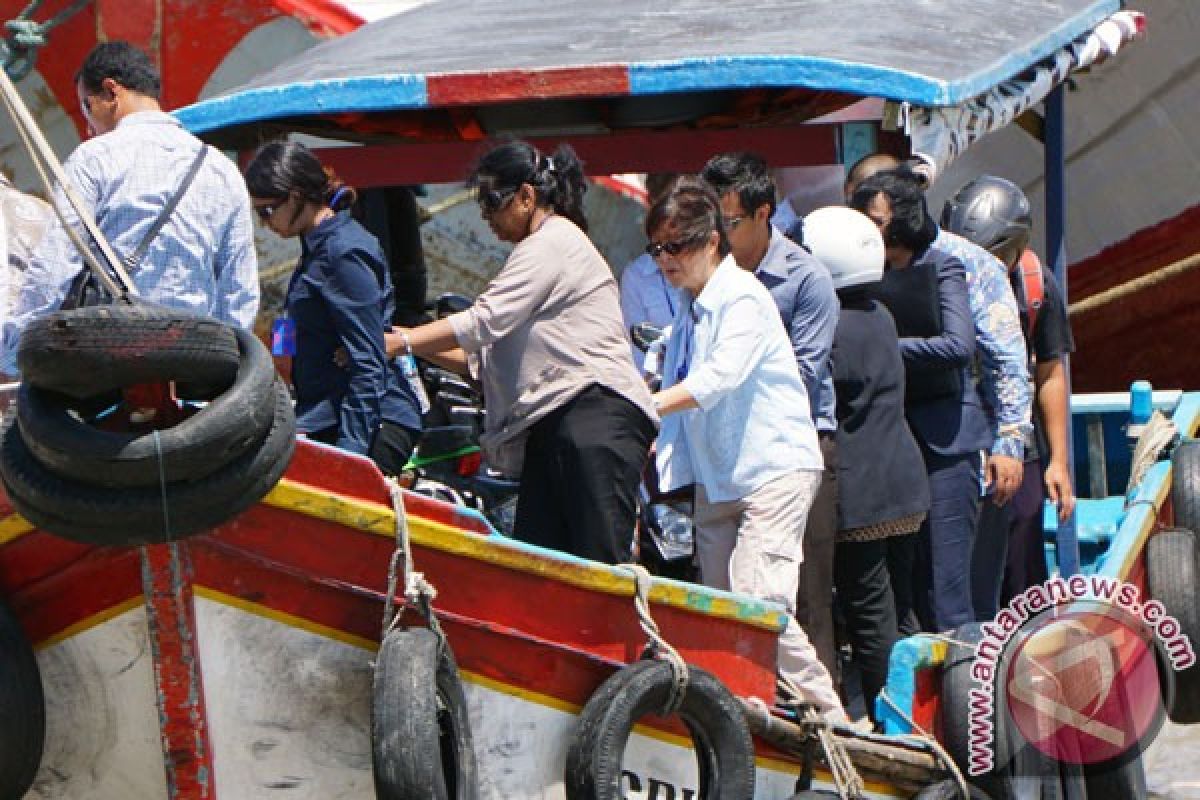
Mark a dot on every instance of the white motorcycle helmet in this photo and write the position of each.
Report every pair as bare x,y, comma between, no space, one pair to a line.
847,242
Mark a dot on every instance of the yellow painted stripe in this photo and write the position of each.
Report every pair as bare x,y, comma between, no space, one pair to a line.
284,618
763,762
548,700
13,527
1148,526
94,620
378,519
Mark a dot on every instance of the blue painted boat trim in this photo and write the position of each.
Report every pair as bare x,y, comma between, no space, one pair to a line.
1116,402
365,94
737,72
908,656
407,91
700,74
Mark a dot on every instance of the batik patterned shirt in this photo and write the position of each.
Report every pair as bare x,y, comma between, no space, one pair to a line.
999,342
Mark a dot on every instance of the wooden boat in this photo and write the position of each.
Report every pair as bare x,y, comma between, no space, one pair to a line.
241,658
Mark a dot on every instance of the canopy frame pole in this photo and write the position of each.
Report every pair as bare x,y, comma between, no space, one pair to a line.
1054,155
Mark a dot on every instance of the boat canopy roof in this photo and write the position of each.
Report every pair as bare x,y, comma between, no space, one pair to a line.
465,69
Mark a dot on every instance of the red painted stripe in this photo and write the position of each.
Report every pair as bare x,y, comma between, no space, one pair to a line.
523,85
620,151
323,17
34,557
187,755
927,697
84,588
1123,341
271,556
334,470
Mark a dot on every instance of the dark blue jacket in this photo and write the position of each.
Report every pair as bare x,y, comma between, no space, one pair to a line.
948,424
881,476
341,296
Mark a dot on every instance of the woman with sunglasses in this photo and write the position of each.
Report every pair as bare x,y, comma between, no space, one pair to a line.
736,423
566,409
339,298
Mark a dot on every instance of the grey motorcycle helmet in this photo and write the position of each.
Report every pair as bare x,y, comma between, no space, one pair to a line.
993,213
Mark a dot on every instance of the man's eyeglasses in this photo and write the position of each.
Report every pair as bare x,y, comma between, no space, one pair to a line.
265,212
491,200
656,249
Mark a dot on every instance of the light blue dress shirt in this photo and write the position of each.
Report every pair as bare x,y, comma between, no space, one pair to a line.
202,260
646,297
729,350
803,291
1000,343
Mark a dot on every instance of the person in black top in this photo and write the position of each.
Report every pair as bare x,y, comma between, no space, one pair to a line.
881,475
995,214
340,297
925,289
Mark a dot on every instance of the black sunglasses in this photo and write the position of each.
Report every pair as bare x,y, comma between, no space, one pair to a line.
656,249
491,200
267,211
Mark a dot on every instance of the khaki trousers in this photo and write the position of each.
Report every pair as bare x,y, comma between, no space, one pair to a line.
754,546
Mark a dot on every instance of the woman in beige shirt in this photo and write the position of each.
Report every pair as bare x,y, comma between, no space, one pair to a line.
566,409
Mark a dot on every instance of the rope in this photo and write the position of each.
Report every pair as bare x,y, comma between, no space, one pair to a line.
162,485
845,776
659,647
26,36
418,592
1123,290
43,159
923,735
1155,437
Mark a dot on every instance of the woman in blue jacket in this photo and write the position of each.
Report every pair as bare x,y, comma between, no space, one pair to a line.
340,297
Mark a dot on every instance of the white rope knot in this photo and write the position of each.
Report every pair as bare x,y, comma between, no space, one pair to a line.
417,592
659,647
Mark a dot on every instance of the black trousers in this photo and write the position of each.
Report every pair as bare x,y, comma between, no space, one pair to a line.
579,485
814,599
865,596
390,448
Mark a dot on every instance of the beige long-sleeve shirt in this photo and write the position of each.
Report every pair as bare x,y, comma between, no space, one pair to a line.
547,326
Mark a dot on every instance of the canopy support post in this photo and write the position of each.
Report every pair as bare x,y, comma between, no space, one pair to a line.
1054,154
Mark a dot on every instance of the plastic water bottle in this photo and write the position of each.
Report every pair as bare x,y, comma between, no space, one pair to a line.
408,365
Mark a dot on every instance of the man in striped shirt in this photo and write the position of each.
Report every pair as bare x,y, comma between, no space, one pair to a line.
202,260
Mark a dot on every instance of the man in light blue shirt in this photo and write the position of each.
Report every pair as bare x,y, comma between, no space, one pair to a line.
646,297
802,289
202,260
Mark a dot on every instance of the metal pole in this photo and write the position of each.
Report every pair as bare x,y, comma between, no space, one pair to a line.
1055,159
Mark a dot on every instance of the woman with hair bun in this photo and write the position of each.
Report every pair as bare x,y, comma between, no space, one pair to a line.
566,409
340,297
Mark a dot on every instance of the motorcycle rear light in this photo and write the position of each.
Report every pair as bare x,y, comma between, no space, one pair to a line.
469,464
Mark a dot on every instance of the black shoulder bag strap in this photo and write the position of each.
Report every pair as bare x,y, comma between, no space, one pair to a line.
85,289
131,260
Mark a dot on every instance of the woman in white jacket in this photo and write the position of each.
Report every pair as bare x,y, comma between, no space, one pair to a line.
736,423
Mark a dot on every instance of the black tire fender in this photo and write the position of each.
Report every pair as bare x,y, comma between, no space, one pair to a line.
22,709
421,743
950,790
1171,578
1185,484
955,699
134,516
1117,782
713,717
88,351
198,446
